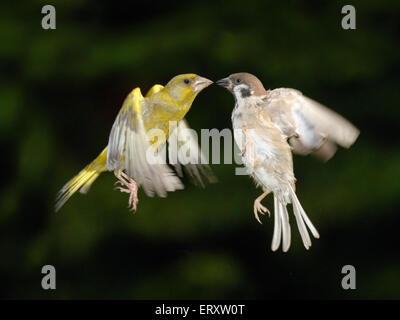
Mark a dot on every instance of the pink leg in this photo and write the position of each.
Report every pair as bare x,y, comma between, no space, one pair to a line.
130,187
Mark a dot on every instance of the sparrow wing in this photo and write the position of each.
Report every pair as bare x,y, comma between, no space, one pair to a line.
317,128
185,151
128,146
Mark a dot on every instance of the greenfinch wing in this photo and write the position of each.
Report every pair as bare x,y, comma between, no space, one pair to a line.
128,147
190,156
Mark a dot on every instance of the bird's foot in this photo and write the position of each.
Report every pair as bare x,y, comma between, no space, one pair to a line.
131,187
259,208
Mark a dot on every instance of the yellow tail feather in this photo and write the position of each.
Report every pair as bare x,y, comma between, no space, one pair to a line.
83,180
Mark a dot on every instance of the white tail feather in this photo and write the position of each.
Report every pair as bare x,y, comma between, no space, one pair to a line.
286,233
282,226
276,238
302,217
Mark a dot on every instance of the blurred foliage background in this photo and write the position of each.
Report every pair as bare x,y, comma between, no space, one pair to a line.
61,89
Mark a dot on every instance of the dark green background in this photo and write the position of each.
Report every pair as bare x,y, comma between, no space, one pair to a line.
61,89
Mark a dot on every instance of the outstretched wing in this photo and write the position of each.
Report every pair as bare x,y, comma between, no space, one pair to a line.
154,89
128,147
184,151
311,126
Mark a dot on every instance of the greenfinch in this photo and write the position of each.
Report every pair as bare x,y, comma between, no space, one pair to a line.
128,145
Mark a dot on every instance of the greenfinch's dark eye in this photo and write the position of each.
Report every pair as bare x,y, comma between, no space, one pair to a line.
186,81
238,80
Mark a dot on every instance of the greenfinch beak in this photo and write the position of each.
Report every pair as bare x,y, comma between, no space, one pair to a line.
200,83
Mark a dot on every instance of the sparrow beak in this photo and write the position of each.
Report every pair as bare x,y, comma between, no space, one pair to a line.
200,83
225,82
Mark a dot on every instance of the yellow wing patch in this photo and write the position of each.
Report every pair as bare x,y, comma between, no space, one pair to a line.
128,147
128,117
154,89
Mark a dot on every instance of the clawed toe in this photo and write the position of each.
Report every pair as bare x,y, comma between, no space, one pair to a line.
132,203
122,189
264,210
259,208
130,187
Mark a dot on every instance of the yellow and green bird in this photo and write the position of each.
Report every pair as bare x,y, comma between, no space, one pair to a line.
129,143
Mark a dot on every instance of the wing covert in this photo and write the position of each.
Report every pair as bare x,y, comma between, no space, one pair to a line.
128,148
309,126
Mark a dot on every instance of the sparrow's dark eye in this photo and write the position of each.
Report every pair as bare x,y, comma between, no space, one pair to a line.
186,81
238,80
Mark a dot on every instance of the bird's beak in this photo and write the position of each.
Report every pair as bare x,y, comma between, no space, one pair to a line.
200,83
225,82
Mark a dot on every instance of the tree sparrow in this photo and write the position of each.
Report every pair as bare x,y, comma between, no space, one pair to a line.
268,125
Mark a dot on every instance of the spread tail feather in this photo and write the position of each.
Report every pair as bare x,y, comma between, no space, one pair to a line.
282,226
302,220
83,180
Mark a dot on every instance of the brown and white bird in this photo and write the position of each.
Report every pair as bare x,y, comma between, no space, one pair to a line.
270,124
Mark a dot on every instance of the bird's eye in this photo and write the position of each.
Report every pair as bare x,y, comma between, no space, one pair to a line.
238,80
186,81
